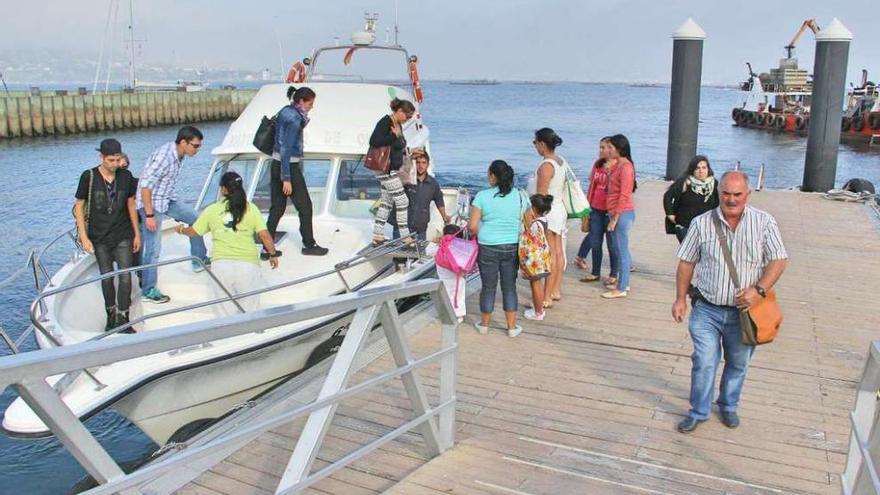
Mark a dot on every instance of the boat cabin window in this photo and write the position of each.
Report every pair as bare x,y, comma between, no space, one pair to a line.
315,173
244,168
356,190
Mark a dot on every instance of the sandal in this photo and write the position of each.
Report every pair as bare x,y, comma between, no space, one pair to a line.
590,278
580,263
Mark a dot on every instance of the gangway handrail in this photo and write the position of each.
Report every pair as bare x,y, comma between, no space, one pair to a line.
28,372
860,476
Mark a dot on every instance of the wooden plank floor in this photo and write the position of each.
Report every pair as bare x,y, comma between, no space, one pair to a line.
587,400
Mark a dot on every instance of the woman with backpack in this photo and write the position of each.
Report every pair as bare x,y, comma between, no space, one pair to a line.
621,210
495,218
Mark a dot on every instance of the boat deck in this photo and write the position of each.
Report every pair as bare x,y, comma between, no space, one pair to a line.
587,400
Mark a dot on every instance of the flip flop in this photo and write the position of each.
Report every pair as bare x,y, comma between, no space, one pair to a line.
590,278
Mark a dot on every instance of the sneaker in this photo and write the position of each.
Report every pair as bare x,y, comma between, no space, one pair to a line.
122,319
513,332
265,256
315,250
200,267
154,296
531,314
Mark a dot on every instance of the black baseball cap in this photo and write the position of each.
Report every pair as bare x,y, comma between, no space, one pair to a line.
110,147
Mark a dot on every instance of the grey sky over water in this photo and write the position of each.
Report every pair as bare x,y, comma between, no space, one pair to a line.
613,40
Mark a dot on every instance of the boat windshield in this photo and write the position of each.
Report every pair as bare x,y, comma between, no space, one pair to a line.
365,64
246,168
315,171
356,190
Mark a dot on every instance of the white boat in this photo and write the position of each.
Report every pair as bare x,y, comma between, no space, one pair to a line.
167,392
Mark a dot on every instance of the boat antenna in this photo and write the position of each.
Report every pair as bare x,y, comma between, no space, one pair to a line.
114,25
396,30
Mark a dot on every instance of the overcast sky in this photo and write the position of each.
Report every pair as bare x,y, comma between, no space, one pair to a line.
612,40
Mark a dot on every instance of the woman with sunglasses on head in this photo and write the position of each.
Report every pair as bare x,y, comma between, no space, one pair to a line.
389,132
551,181
235,260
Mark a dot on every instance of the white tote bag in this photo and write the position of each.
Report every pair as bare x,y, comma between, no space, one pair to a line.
573,197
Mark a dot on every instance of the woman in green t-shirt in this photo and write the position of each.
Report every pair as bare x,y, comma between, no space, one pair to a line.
235,259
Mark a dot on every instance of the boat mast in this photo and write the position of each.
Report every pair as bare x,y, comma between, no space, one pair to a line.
131,73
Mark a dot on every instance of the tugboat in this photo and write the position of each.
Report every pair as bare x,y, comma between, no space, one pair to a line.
780,101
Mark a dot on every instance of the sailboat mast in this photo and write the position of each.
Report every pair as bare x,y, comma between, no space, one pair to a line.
131,73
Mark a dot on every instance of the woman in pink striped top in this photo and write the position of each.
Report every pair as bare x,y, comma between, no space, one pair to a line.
621,210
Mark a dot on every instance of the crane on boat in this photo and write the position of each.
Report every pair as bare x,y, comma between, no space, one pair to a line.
809,23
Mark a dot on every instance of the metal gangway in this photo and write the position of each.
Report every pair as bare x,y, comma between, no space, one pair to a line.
861,474
27,372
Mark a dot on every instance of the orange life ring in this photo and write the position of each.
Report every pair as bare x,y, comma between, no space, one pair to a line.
297,73
414,78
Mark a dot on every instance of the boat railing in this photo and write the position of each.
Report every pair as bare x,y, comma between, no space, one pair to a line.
436,422
36,268
860,476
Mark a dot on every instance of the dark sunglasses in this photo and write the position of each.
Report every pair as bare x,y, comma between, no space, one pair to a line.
196,146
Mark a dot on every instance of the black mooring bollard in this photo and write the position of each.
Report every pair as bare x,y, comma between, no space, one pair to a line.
684,102
829,83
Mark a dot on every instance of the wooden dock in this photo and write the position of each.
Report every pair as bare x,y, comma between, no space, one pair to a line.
587,400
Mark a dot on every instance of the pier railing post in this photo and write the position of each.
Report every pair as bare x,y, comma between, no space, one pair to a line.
684,99
829,82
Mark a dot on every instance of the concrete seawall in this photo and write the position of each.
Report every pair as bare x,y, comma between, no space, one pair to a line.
33,115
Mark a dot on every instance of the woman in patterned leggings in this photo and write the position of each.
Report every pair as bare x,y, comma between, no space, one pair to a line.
389,132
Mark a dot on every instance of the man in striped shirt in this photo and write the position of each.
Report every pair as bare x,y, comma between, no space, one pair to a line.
760,258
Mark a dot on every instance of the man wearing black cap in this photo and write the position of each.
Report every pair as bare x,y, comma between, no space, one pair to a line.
107,225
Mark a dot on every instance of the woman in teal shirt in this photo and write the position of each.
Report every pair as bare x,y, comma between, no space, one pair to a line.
495,219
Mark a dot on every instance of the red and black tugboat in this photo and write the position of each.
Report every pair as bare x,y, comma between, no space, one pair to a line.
780,100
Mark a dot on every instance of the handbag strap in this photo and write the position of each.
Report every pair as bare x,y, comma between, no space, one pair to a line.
725,249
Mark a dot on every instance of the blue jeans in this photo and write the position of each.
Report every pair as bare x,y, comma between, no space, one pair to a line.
598,229
713,329
502,260
152,241
620,246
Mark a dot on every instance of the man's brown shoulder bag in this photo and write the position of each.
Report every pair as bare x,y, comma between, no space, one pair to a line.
760,323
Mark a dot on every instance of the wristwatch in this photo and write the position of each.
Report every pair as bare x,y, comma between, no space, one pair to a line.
149,215
761,291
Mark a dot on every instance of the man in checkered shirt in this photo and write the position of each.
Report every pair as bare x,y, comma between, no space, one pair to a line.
157,199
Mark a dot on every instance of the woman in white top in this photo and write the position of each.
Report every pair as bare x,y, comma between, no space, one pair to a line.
551,180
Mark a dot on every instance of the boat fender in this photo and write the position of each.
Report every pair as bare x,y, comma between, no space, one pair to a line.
769,119
740,118
780,122
750,117
858,123
845,124
800,123
859,186
874,121
759,118
735,114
